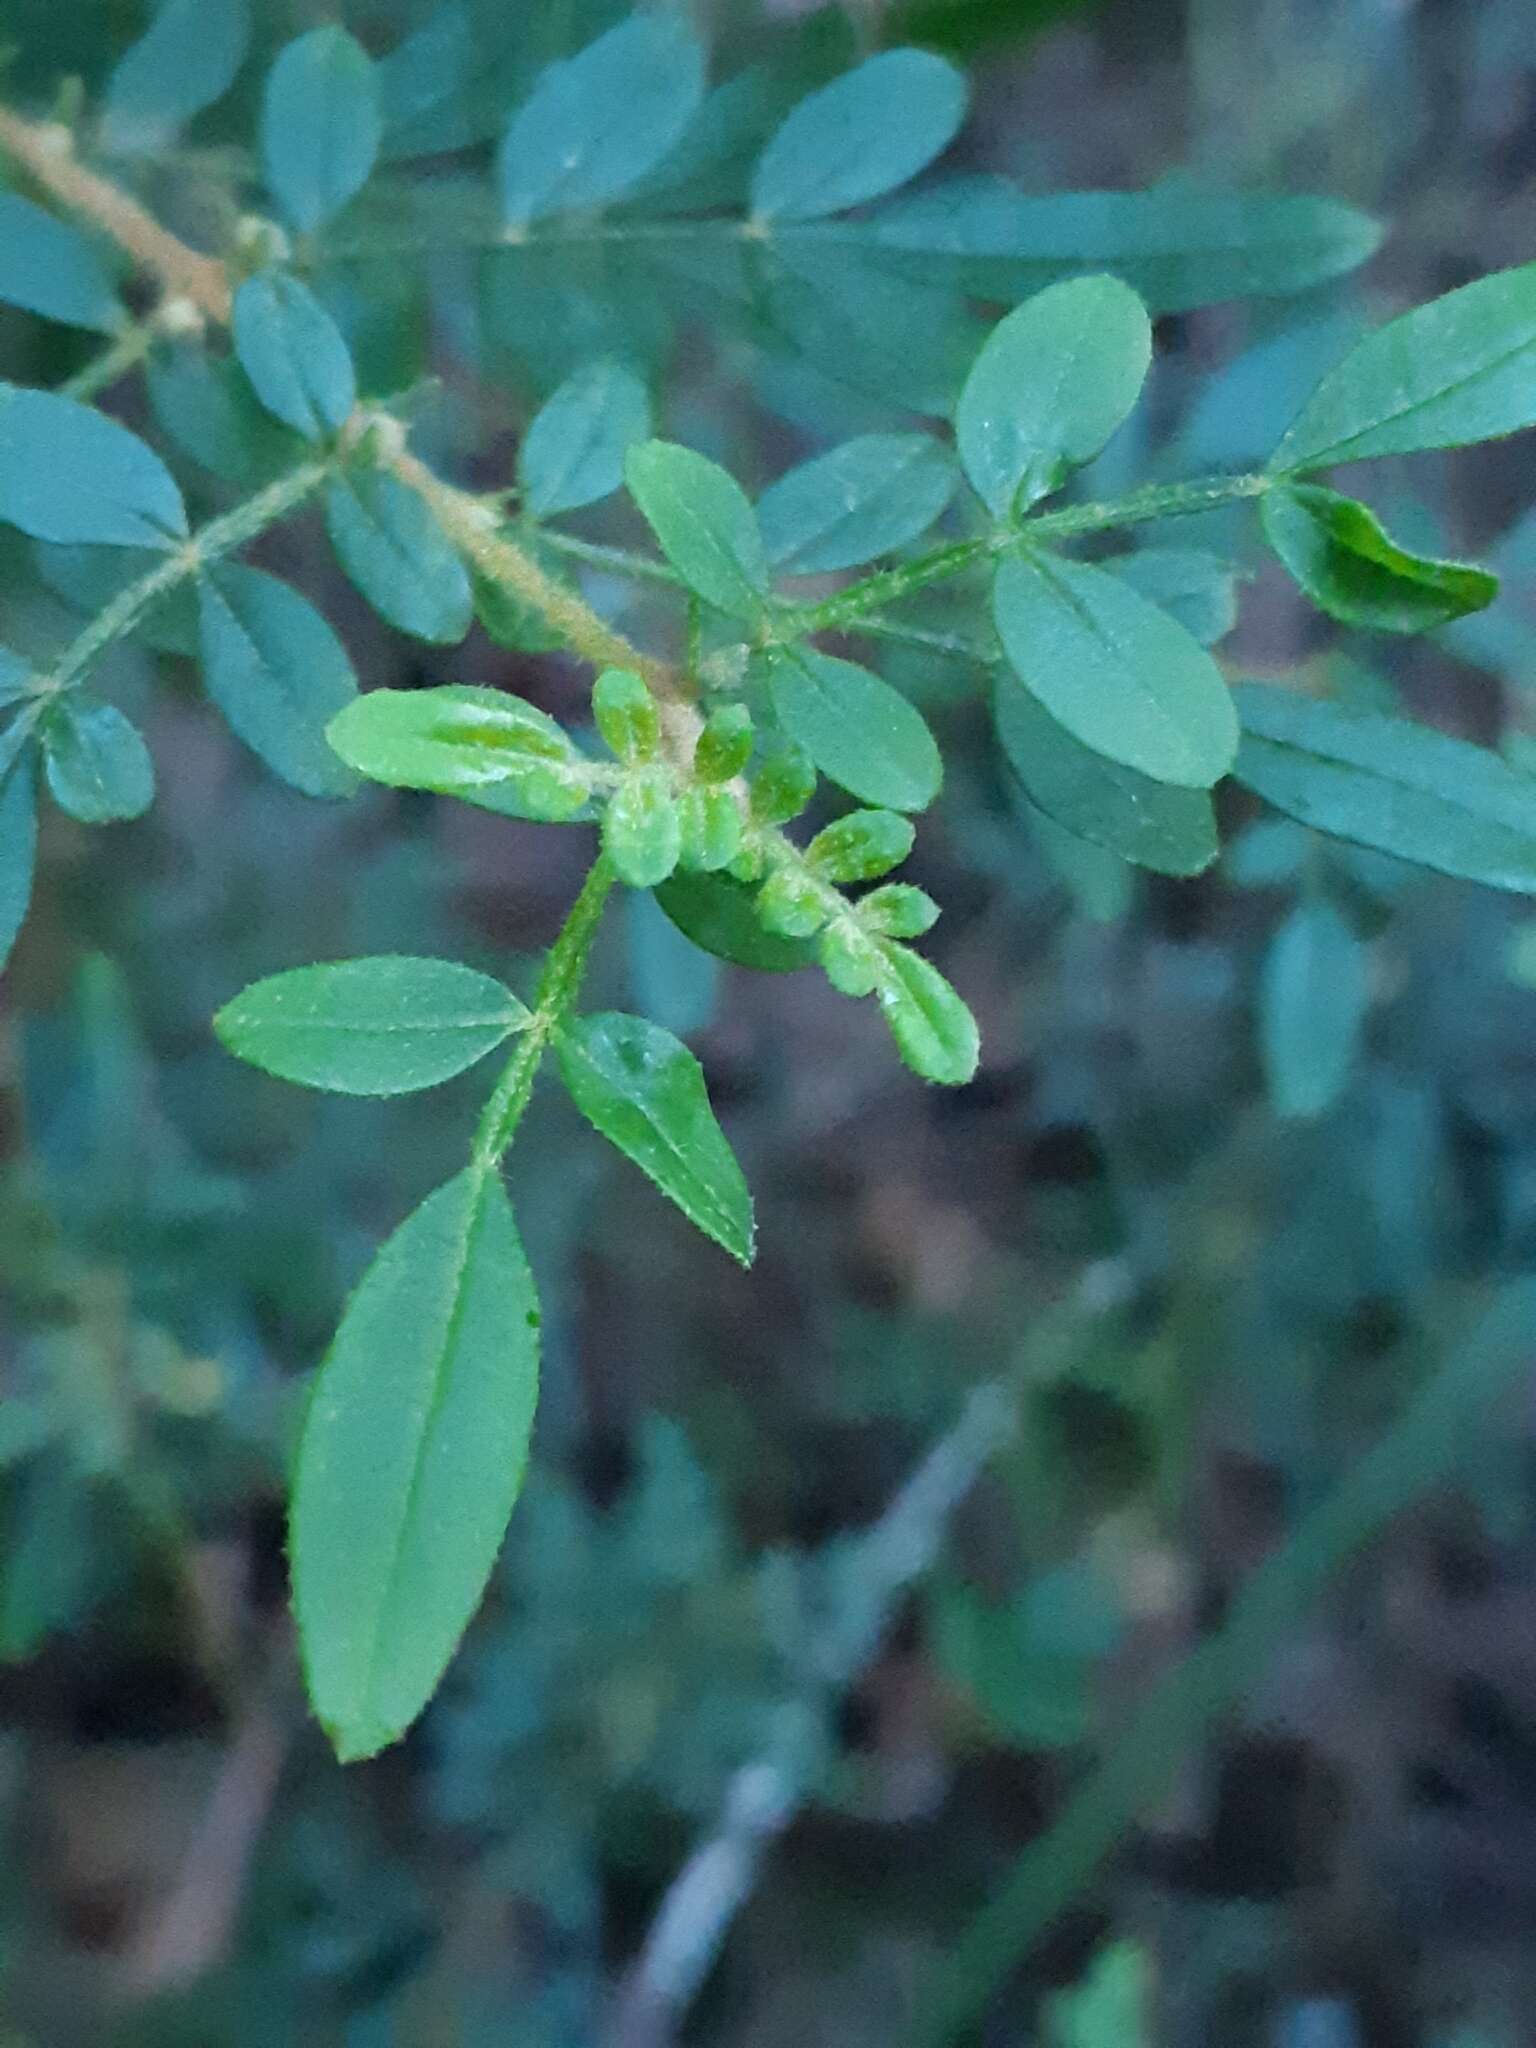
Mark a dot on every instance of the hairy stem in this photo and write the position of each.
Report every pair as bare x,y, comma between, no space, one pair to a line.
120,356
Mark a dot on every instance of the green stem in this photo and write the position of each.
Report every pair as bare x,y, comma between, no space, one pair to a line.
559,986
116,360
219,538
623,561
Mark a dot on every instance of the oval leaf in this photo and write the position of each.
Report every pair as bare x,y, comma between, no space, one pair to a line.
277,672
863,135
1055,380
320,126
859,732
1313,997
934,1031
481,745
1120,675
186,59
1383,782
294,354
411,1460
49,267
206,405
644,1090
70,474
720,916
573,453
596,124
1462,368
97,764
864,499
398,556
703,523
1341,556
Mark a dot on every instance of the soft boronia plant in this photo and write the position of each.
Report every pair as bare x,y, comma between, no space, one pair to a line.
1110,708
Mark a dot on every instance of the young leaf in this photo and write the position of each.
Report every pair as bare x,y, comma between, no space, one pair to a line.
411,1459
934,1031
18,845
861,847
1055,380
720,916
645,1092
724,744
1156,825
1348,565
293,353
626,715
863,135
398,556
1313,997
573,453
1382,782
97,764
859,732
1462,368
206,405
859,501
277,672
481,745
1120,675
320,126
642,831
1196,588
596,124
898,911
70,474
382,1026
186,59
48,266
710,828
703,523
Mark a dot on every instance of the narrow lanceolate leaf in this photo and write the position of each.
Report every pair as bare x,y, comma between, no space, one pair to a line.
703,523
48,266
934,1031
644,1090
277,672
860,732
294,354
859,137
1120,675
97,764
320,126
855,503
398,556
596,124
411,1460
18,843
1156,825
68,473
488,748
186,59
573,453
1462,368
1055,380
1351,568
1313,997
1383,782
720,916
370,1027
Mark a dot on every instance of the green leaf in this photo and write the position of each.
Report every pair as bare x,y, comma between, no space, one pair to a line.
863,135
1156,825
710,828
187,58
448,85
644,1090
1109,2007
596,124
1054,381
864,499
861,847
90,578
720,916
1462,368
320,126
411,1460
934,1031
18,845
1098,881
573,453
724,744
1340,555
293,353
1195,587
1313,999
783,783
277,672
206,405
70,474
97,764
15,683
704,524
626,715
642,832
1382,782
898,910
791,905
383,1026
481,745
859,732
49,267
1120,675
398,556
